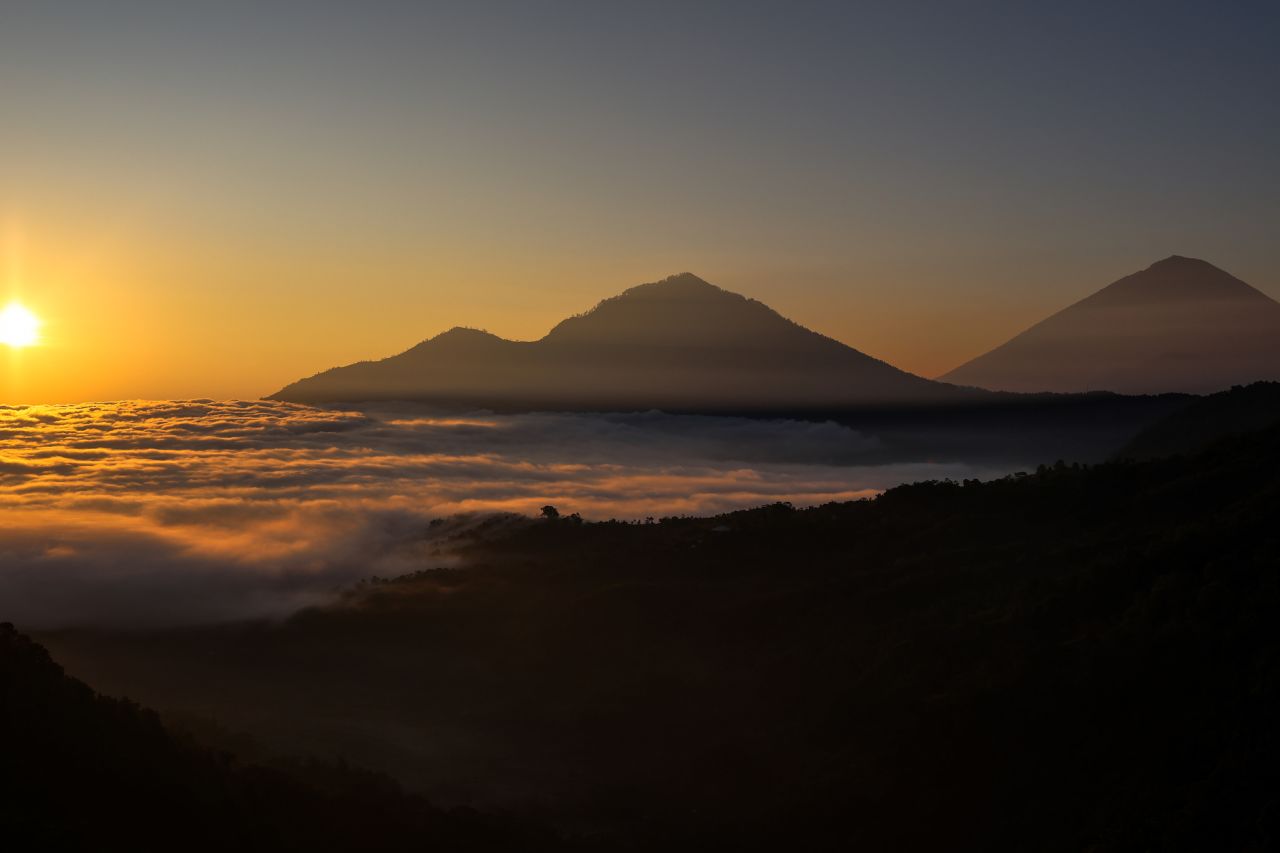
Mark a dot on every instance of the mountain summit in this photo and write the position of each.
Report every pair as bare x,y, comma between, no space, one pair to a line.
680,343
1181,324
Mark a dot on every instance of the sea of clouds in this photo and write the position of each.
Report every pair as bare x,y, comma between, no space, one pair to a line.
147,513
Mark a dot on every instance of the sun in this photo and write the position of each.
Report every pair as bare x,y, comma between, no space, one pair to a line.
18,326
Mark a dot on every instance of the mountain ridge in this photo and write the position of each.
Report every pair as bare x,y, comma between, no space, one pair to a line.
1179,325
678,343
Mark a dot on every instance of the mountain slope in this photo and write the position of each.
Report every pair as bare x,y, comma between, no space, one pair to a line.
1180,325
680,343
80,771
1075,659
1208,419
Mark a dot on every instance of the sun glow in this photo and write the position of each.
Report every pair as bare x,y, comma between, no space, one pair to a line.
18,326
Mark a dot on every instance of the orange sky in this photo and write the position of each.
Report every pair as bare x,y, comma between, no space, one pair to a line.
216,199
132,310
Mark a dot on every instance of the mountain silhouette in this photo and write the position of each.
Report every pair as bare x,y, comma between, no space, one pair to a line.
680,344
1240,411
82,771
1182,324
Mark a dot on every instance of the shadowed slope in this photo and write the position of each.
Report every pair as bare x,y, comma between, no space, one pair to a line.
680,343
1210,419
1075,659
1180,325
81,771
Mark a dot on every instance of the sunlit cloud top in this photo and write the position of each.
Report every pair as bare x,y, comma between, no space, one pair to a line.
198,510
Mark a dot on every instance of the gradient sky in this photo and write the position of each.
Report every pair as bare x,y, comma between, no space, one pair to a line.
211,202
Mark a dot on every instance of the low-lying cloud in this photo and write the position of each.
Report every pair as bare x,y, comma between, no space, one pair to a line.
149,513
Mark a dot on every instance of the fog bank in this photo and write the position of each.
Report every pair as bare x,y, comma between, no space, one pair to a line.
145,513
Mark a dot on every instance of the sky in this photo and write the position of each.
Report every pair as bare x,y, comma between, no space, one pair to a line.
212,200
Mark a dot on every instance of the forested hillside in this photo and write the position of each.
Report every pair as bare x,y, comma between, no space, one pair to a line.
1072,659
81,771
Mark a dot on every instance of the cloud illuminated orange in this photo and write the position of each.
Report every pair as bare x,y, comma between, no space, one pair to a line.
239,508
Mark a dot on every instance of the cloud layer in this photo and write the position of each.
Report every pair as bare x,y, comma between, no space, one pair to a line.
149,513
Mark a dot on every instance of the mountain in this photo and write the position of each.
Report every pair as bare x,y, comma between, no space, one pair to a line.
82,771
1242,410
1181,324
679,343
1077,659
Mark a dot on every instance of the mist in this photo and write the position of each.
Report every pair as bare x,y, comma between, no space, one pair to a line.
165,513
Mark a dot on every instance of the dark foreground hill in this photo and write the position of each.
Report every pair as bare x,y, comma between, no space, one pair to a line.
80,772
679,344
1195,426
1180,325
1075,659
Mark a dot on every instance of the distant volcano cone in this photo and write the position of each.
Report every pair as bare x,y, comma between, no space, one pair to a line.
679,343
1179,325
